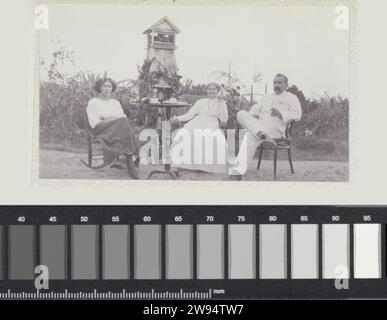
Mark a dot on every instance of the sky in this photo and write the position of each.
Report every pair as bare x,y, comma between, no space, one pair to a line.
301,42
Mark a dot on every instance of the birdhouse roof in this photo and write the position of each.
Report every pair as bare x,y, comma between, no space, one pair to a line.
163,25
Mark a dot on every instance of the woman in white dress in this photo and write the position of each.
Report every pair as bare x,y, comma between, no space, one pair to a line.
203,121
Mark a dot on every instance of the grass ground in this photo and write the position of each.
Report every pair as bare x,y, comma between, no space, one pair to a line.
65,164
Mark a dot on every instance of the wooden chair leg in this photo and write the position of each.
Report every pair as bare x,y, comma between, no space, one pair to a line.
275,164
260,158
290,161
89,151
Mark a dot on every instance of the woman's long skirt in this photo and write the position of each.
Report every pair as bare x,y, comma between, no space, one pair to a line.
116,137
200,145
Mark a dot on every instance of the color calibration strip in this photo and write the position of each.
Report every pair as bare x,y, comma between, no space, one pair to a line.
184,251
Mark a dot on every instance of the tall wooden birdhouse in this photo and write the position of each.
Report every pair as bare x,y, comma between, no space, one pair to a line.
162,45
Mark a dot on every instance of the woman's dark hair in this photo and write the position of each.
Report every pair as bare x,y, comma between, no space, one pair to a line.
100,82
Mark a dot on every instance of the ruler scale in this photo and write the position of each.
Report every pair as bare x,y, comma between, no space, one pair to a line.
265,266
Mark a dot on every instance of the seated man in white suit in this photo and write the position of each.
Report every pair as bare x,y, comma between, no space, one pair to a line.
265,120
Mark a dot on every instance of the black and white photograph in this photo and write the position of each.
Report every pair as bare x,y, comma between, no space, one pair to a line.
193,92
167,153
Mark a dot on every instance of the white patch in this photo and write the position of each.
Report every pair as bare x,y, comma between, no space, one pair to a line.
42,17
342,17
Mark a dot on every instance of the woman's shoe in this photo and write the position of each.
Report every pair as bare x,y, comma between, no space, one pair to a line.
131,169
137,162
261,135
117,166
133,173
236,177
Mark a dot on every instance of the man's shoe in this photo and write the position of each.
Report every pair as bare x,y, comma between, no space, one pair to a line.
235,177
261,135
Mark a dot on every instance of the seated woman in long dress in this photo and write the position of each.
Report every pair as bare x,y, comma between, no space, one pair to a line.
111,126
200,144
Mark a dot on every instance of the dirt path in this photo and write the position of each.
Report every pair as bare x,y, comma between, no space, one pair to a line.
67,165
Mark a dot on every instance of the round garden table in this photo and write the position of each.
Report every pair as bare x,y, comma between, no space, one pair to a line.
168,108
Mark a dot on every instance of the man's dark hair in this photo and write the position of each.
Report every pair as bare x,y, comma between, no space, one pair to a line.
283,76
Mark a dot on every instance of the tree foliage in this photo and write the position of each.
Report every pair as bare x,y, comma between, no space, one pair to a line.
148,78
